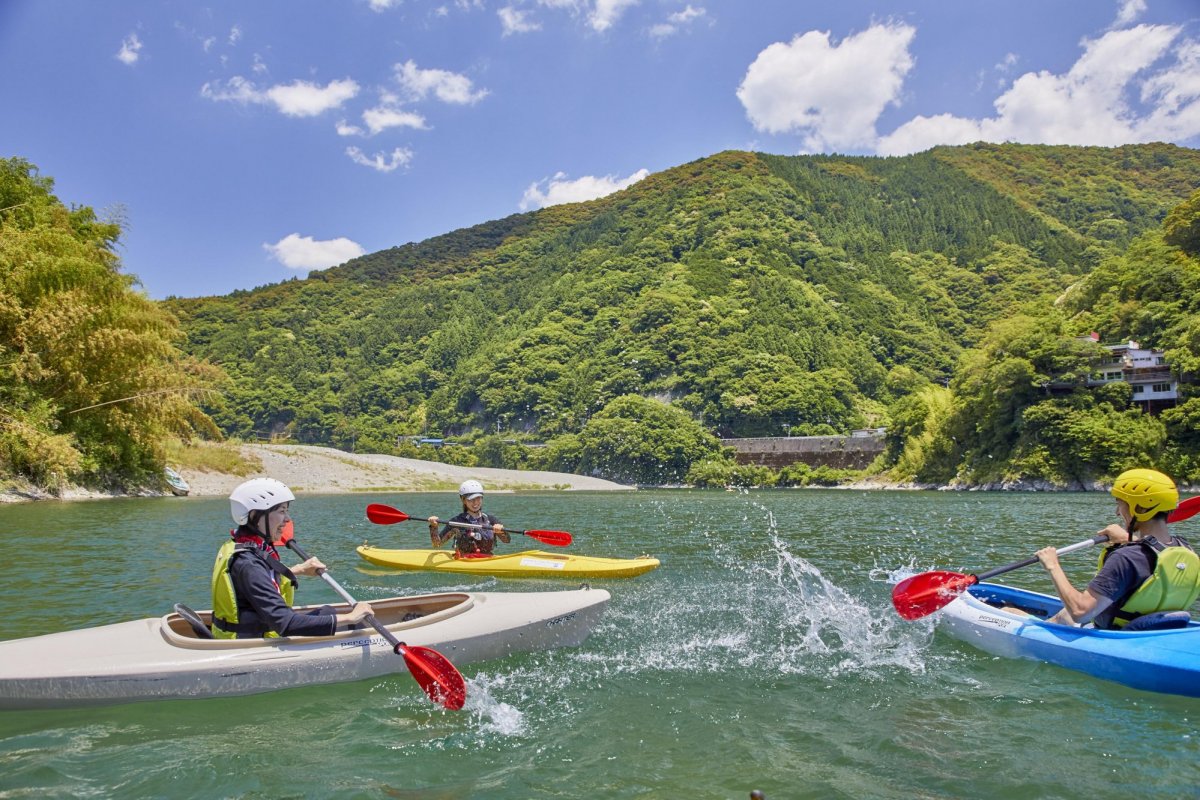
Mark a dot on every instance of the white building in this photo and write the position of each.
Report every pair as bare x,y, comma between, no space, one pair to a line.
1145,371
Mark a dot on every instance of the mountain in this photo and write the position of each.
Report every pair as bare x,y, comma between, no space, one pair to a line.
749,292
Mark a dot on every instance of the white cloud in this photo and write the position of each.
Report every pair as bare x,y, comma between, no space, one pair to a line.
514,20
832,94
1129,11
304,99
305,253
131,48
382,118
679,19
236,90
1089,105
449,87
382,5
381,162
606,13
235,34
560,190
296,99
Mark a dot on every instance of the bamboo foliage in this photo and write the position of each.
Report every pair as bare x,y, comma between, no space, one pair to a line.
92,380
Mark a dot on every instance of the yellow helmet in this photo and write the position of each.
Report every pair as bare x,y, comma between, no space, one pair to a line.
1148,492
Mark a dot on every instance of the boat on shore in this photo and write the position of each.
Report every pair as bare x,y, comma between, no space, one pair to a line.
1166,661
166,658
179,487
525,564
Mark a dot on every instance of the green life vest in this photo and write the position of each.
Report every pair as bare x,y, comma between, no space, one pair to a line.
224,609
1173,586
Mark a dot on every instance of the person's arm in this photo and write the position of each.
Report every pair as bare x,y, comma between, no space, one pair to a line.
255,586
438,539
1078,604
498,529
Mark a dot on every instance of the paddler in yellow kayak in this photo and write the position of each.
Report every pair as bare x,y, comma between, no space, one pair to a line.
474,541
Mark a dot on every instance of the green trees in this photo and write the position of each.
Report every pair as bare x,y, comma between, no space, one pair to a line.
91,382
637,440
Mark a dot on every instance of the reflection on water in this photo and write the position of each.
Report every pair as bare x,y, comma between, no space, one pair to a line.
764,653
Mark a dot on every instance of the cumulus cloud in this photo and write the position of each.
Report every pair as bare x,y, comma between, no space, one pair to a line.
1129,11
606,13
514,20
557,190
830,93
382,118
381,162
1089,105
449,87
296,99
675,22
304,99
131,49
305,253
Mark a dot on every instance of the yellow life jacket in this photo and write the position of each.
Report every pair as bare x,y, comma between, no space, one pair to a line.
1173,586
224,608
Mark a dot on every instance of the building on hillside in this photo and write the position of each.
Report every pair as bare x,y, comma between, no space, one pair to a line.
1145,370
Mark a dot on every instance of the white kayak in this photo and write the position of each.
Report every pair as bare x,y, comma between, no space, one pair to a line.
162,658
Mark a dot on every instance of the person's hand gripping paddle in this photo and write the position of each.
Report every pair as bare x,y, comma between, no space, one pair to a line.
439,678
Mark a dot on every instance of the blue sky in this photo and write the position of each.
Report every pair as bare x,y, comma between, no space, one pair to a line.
245,143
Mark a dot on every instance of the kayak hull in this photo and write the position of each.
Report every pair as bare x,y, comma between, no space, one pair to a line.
526,564
161,658
1166,661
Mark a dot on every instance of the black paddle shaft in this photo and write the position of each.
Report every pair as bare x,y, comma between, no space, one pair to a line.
991,573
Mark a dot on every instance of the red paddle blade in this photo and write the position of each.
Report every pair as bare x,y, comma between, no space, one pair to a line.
924,594
286,534
384,515
556,538
1186,510
440,679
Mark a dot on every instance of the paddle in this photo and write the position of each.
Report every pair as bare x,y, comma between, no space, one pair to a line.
924,594
386,515
437,676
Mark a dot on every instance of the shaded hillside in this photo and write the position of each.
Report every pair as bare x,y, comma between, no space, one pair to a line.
750,291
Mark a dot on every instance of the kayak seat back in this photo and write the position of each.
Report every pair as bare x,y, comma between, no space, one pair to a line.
193,619
1159,621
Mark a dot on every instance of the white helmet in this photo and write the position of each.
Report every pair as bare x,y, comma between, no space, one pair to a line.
470,489
259,494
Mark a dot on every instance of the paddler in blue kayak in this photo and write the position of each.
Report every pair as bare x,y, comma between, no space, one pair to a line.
469,541
252,589
1142,582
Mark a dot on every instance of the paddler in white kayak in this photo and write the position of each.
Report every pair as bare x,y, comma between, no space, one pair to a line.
469,541
252,589
1140,581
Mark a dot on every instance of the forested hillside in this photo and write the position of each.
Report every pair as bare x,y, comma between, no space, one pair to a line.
743,295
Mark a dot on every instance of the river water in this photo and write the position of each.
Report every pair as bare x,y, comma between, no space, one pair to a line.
763,654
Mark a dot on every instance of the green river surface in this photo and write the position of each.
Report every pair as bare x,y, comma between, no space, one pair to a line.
763,654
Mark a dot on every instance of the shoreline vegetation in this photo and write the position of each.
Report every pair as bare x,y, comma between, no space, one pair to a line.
213,470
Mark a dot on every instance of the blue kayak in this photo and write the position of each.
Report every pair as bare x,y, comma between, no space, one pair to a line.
1165,661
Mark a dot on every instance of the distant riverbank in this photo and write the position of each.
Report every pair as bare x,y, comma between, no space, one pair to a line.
324,470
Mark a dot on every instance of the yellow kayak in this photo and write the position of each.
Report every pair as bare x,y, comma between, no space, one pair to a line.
526,564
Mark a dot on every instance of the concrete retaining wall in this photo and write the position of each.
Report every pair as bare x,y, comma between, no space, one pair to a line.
842,452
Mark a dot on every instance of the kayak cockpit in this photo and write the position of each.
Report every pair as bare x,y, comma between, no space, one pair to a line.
395,613
1004,597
